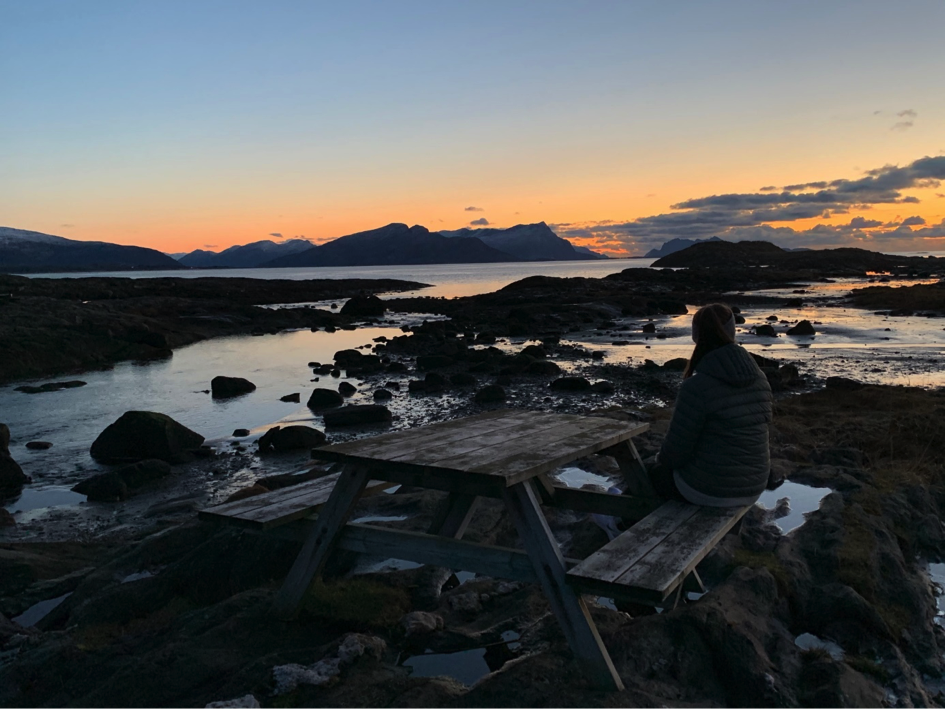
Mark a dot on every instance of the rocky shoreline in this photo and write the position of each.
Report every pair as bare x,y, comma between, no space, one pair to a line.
165,610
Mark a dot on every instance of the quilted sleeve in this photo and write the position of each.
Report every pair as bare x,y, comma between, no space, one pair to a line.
686,426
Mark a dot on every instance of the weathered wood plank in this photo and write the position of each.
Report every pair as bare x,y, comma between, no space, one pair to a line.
522,466
625,506
489,453
632,468
319,543
568,607
613,559
670,562
392,444
517,432
228,509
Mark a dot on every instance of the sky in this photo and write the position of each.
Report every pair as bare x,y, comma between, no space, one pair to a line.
206,123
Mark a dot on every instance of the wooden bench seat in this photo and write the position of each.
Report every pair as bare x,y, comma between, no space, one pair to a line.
650,561
279,507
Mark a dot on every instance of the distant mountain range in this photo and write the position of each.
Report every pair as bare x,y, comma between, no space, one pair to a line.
23,251
246,256
395,244
674,245
398,244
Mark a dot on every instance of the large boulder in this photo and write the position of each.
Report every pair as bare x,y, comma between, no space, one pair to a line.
225,387
354,361
322,398
139,435
358,415
117,485
289,438
12,477
363,306
490,394
804,327
571,384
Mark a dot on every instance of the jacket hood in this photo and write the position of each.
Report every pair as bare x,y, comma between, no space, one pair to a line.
731,364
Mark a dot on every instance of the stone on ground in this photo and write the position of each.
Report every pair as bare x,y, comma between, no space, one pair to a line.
139,435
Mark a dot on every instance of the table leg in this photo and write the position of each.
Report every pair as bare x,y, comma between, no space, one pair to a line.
568,606
331,520
633,469
453,516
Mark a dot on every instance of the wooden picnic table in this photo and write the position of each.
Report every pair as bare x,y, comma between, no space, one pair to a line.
505,454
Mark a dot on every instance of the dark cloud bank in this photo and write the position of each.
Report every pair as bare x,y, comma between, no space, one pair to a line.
749,216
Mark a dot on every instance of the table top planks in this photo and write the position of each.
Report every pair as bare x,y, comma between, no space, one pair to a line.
506,446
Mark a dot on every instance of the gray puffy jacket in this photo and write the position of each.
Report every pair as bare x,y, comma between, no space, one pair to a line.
718,436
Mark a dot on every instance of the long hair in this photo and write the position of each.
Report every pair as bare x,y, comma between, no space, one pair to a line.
710,324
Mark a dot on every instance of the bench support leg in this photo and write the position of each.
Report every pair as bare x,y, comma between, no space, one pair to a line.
568,606
454,515
310,561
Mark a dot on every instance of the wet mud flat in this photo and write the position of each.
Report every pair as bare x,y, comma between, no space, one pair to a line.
149,607
178,612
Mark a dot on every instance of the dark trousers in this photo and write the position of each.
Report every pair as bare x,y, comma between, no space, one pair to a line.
661,478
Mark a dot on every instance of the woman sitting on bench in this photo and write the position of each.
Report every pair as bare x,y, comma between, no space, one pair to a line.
716,451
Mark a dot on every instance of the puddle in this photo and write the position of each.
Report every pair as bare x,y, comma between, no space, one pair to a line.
379,518
937,574
575,477
383,566
137,577
30,500
806,641
464,576
466,666
803,498
36,612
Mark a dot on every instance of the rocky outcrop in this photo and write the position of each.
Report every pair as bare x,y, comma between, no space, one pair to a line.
280,439
322,398
12,477
358,415
139,435
226,387
363,306
117,485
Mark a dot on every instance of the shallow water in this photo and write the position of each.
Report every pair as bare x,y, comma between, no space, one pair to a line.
35,613
447,280
804,499
465,666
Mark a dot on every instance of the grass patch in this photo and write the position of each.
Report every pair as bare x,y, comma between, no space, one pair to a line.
356,602
765,560
868,667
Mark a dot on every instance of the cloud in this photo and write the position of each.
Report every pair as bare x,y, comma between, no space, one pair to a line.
908,117
767,214
474,209
913,221
908,113
940,195
864,223
479,222
66,226
209,246
276,234
902,125
769,188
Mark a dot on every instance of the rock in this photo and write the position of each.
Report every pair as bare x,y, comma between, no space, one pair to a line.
649,327
226,387
397,368
50,386
802,328
4,439
463,379
490,394
39,445
843,384
536,351
677,364
543,367
347,389
434,382
427,362
358,415
603,387
241,432
139,435
571,384
117,485
247,701
382,395
361,306
6,519
325,399
421,623
772,318
765,331
250,491
485,338
280,439
354,361
416,386
295,398
468,602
